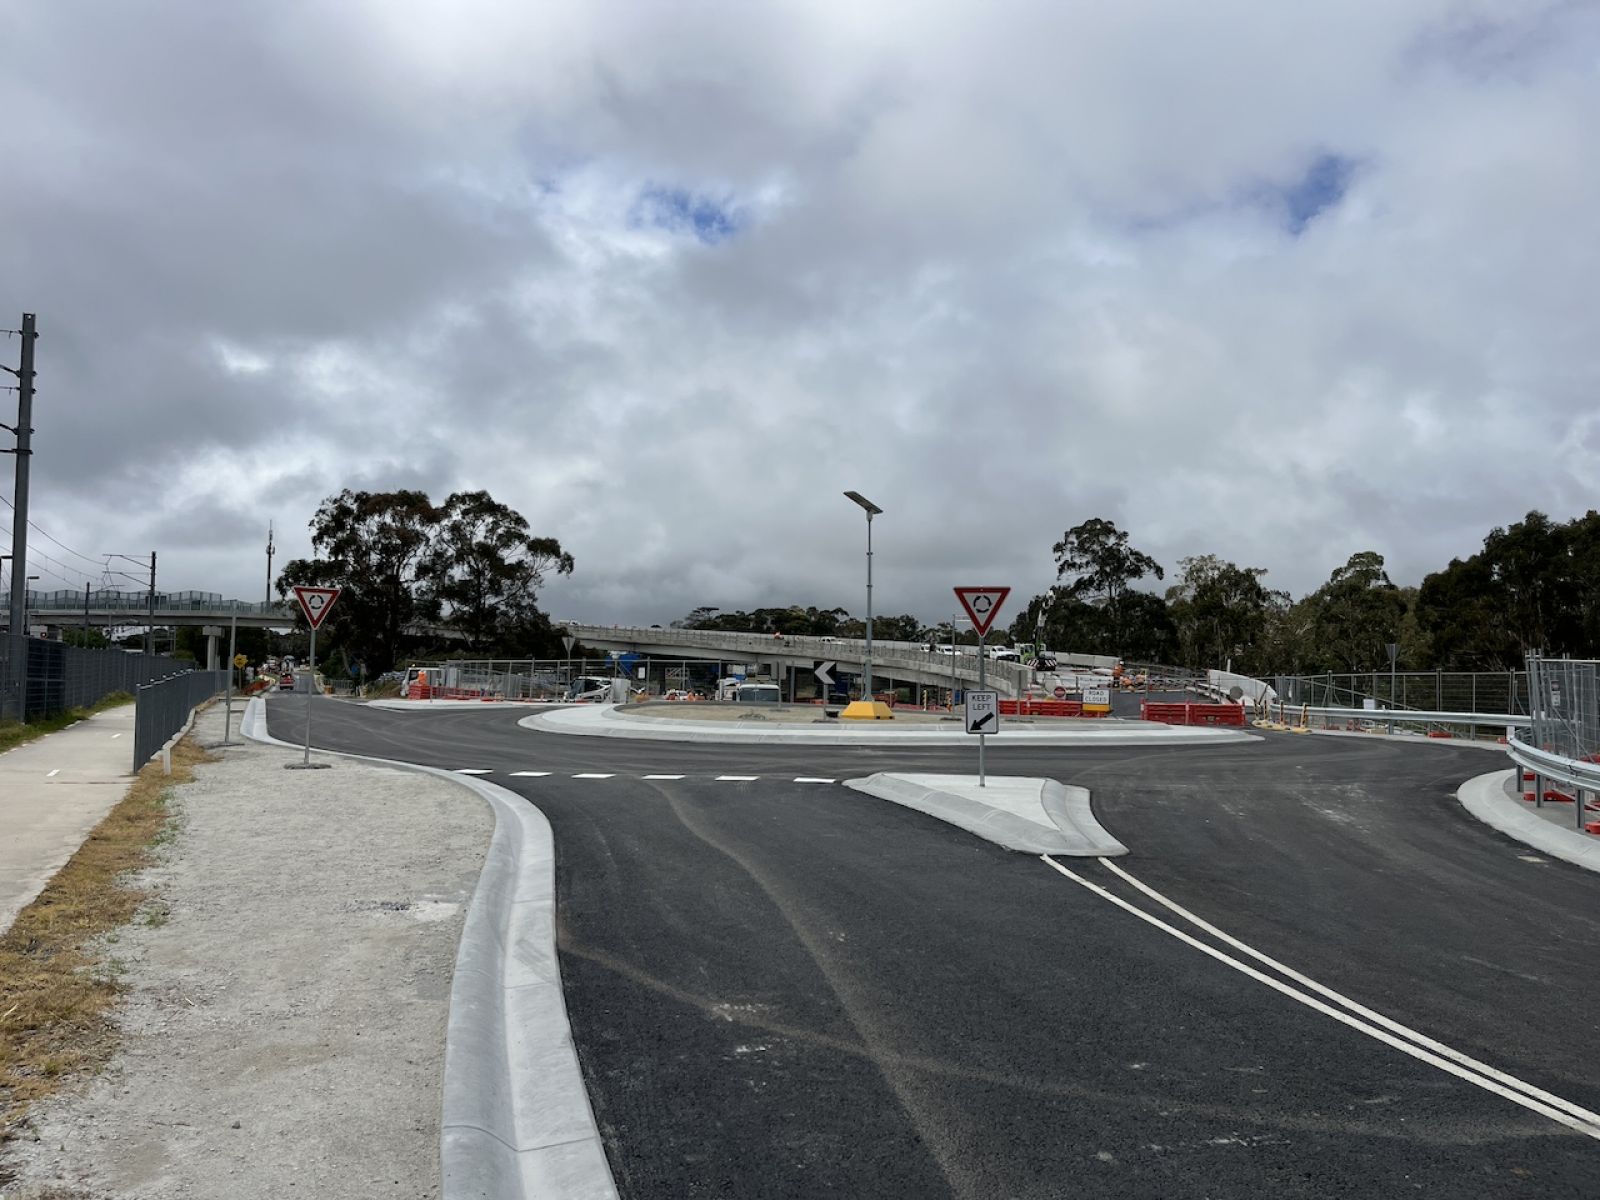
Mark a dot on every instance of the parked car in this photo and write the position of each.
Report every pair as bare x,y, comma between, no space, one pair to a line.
286,682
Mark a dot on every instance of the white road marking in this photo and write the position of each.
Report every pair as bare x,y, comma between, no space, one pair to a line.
663,776
737,778
115,736
592,775
812,779
529,774
1557,1109
1355,1006
473,771
53,774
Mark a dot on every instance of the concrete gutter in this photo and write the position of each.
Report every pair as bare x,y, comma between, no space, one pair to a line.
1485,797
517,1122
604,720
1034,816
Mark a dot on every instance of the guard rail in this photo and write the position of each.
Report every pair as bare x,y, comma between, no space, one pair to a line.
1579,775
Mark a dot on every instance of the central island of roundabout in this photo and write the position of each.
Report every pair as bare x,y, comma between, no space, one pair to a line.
745,724
1023,813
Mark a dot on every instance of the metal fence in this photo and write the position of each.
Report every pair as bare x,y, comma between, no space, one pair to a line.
39,679
1566,710
163,708
1433,691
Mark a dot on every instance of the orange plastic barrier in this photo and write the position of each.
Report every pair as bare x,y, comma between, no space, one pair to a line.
1044,708
1194,714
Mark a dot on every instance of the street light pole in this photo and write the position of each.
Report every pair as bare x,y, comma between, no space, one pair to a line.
871,510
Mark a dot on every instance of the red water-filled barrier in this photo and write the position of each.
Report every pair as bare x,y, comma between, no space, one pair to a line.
1194,714
1045,708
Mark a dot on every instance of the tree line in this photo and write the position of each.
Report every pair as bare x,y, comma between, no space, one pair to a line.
459,577
1534,585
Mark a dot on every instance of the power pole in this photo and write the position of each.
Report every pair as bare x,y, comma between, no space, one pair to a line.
269,562
24,452
150,629
85,614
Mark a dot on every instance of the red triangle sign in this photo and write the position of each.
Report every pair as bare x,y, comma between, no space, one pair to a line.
315,603
982,605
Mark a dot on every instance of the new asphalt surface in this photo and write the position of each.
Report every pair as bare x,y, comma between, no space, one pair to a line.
788,989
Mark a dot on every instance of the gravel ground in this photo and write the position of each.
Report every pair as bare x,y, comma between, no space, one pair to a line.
284,1029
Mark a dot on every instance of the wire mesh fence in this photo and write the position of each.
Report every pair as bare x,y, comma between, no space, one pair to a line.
1566,708
163,708
40,678
1431,691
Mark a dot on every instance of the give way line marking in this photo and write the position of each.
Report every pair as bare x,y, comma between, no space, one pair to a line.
1377,1026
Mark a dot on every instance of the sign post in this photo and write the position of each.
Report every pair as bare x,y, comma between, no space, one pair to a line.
315,602
983,706
233,666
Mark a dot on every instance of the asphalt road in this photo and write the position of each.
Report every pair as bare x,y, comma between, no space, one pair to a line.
789,989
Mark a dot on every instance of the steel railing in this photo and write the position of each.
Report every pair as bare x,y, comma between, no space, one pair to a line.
163,708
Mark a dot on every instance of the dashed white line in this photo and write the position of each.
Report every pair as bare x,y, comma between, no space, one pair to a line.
593,775
813,779
473,771
52,774
663,776
529,774
737,778
115,736
1479,1074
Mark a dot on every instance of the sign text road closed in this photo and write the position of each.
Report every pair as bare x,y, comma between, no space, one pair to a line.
983,712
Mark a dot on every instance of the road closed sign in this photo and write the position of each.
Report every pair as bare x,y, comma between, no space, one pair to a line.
983,712
1097,699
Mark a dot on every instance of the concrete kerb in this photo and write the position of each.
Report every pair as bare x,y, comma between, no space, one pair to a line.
602,720
1485,797
1065,826
517,1123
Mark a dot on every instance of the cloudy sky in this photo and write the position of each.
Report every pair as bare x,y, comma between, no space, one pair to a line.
1279,282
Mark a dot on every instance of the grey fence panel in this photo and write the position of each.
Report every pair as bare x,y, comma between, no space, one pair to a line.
40,678
164,706
1435,691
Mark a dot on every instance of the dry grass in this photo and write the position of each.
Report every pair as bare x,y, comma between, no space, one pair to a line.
57,983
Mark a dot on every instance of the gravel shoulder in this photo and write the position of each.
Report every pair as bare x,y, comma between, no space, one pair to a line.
284,1028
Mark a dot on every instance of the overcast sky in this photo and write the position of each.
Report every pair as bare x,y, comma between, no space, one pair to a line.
1278,282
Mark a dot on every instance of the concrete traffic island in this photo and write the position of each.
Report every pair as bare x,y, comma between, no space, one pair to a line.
1034,816
748,724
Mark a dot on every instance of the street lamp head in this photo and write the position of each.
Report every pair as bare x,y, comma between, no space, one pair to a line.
872,509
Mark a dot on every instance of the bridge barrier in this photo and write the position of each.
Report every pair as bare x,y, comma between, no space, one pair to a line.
163,709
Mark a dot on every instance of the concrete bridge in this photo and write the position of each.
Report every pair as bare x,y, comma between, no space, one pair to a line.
908,662
109,607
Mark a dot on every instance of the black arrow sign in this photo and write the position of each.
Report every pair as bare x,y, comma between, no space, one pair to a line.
983,720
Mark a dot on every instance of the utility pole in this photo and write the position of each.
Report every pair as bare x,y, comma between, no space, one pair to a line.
85,614
150,629
24,452
269,562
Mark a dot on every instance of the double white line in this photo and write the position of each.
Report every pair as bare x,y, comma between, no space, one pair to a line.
1356,1016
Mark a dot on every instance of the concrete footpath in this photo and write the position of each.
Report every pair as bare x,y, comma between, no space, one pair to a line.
289,984
53,791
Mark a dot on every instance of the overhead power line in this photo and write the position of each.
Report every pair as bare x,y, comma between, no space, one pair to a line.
37,528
